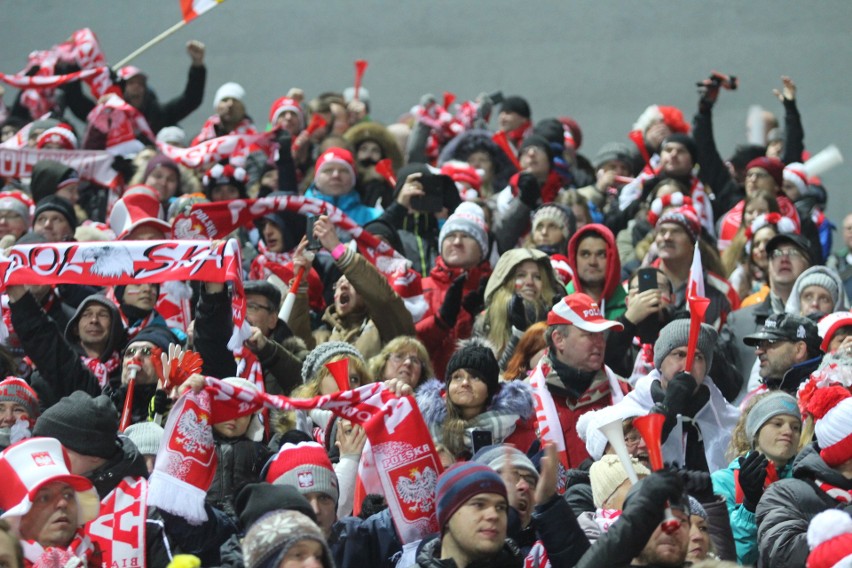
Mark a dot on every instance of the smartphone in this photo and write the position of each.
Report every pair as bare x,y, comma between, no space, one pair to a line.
313,242
647,279
434,189
480,439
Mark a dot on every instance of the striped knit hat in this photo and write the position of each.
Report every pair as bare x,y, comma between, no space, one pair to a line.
461,482
831,408
14,389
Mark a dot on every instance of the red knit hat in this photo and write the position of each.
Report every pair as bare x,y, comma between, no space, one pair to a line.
283,104
831,408
336,156
306,467
137,209
661,203
581,310
686,217
829,325
60,134
773,166
830,539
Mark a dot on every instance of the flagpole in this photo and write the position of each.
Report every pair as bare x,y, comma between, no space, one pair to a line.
151,43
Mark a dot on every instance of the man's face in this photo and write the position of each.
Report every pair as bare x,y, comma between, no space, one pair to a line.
583,350
758,180
667,549
53,226
368,153
847,231
520,486
509,121
142,296
786,263
273,237
460,250
535,160
139,353
675,362
224,192
674,244
335,180
346,299
815,299
134,90
94,324
481,160
11,412
477,530
776,357
52,520
591,262
791,190
146,233
261,313
616,167
675,159
230,110
70,192
325,509
289,120
164,180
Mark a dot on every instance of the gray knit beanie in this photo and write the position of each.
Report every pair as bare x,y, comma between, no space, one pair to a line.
821,279
499,455
146,436
322,353
676,334
768,407
267,541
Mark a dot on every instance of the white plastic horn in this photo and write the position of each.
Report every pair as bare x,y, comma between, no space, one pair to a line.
614,432
829,158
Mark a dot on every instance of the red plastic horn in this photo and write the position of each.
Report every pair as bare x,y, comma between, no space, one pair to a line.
697,309
317,122
449,98
500,139
385,169
340,371
133,367
360,67
651,429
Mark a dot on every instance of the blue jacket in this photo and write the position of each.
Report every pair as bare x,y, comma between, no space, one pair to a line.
743,521
349,204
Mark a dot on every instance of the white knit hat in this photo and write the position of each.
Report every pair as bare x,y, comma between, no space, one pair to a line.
229,90
607,474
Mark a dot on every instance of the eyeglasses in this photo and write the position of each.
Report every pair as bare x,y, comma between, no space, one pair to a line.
141,351
789,253
400,358
253,307
515,475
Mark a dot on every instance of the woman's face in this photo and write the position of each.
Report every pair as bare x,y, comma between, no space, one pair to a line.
164,180
756,207
467,391
482,161
758,247
329,386
528,280
778,439
547,232
405,365
273,237
699,539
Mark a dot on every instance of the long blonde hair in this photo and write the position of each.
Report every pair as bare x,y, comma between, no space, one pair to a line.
497,323
311,388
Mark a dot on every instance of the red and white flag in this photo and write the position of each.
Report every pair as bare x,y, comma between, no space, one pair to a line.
695,288
191,9
547,420
405,458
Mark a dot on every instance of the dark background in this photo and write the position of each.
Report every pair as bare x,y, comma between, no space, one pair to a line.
600,62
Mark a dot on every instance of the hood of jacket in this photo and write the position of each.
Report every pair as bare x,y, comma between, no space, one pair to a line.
794,305
510,259
514,397
117,335
127,462
46,176
444,275
613,262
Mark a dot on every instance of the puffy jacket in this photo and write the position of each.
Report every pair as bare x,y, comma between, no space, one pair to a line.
787,507
429,556
239,462
743,521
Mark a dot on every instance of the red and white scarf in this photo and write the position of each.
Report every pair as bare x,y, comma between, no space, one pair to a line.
119,531
91,165
111,263
210,151
102,369
405,457
208,130
81,552
838,494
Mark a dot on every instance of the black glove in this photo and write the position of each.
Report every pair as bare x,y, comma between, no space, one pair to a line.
678,392
655,491
285,140
752,477
474,301
451,306
709,91
518,313
124,166
698,484
529,189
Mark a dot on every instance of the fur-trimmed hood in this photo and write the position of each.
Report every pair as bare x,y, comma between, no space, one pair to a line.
514,397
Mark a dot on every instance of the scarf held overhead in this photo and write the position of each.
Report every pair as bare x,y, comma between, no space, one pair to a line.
131,262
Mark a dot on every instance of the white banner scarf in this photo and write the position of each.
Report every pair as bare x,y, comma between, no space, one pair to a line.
547,419
113,263
92,165
405,457
214,150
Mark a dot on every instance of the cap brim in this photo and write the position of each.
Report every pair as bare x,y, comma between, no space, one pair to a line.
158,224
599,325
87,497
755,338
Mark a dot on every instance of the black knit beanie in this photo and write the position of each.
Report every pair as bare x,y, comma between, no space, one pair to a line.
158,335
476,357
86,425
256,499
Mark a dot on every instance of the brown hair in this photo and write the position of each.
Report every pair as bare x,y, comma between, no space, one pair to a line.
530,343
378,362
